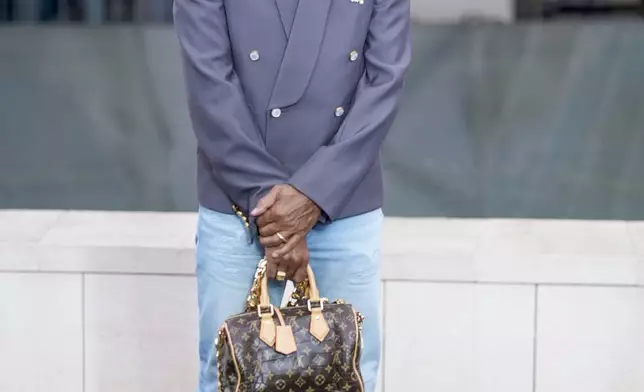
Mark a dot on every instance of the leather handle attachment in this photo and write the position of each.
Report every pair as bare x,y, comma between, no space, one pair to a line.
282,337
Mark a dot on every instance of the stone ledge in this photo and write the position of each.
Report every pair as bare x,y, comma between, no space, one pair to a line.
414,249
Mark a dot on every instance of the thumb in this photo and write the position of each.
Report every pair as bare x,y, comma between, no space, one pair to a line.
266,202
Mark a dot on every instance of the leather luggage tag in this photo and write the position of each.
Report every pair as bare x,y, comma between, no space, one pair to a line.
284,340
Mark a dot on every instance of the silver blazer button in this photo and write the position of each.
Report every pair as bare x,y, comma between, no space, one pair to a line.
275,113
254,55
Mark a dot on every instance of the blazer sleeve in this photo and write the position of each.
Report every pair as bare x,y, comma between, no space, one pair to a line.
334,172
225,130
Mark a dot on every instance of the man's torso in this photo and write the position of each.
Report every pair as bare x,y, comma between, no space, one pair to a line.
299,64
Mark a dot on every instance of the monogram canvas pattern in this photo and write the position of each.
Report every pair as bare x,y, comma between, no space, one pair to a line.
328,366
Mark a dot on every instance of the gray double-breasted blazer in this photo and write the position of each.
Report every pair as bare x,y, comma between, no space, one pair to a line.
293,91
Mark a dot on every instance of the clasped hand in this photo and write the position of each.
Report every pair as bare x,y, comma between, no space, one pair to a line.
284,217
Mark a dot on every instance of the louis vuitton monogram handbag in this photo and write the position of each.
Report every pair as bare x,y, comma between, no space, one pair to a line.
311,345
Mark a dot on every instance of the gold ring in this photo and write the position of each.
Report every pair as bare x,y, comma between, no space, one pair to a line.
281,275
281,237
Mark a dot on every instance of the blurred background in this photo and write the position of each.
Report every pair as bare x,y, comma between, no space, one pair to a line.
514,196
515,109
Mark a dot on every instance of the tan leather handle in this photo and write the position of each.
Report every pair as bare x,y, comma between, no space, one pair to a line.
282,337
264,299
314,293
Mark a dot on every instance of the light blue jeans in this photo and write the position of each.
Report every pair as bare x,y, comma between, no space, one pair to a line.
344,256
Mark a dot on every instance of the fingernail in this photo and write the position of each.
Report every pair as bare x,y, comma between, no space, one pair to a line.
255,211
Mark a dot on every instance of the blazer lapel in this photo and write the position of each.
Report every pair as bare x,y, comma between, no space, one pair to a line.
287,10
302,50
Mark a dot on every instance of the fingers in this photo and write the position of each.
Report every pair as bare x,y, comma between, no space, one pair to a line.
298,259
267,217
266,202
271,265
287,247
300,274
269,230
289,265
273,241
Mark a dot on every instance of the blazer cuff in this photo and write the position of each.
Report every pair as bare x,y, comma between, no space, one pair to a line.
325,216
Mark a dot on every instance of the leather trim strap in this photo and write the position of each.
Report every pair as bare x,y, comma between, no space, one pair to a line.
355,352
232,351
284,338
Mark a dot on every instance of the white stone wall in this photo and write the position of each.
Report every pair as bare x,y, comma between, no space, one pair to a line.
105,301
